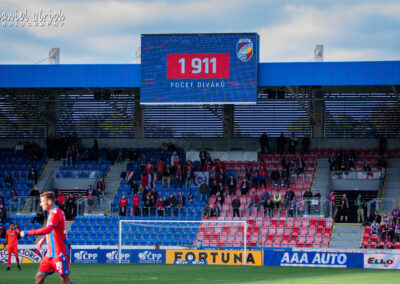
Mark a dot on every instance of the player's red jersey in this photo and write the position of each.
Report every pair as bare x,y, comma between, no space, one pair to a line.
12,238
55,233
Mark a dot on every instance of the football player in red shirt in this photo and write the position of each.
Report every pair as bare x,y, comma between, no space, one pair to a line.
57,258
12,235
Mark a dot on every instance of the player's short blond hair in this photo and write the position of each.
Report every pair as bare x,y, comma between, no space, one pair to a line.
48,195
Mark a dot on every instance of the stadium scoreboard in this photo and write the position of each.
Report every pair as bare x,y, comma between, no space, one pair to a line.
199,68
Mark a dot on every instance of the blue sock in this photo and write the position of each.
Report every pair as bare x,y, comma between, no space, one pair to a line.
71,282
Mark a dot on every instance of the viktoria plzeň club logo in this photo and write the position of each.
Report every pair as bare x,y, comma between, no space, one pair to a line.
244,49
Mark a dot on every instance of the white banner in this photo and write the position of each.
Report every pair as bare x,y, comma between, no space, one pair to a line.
199,177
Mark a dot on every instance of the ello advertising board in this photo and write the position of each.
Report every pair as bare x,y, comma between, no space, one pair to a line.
199,68
213,257
111,256
382,261
313,259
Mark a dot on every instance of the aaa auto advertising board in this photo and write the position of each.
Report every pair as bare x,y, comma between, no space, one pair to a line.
313,259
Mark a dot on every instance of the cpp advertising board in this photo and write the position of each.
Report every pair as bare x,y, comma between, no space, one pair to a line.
199,68
148,256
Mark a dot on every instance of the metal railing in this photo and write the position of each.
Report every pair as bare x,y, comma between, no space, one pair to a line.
85,205
23,204
382,205
353,175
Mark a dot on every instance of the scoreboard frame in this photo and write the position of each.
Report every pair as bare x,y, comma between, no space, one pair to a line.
182,68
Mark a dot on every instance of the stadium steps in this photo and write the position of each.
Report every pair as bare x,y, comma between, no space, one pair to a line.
346,236
113,179
51,168
321,181
391,190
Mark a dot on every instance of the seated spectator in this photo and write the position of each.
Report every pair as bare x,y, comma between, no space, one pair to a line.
178,176
300,165
253,202
268,207
147,206
32,176
19,148
263,176
277,197
289,196
8,181
285,178
134,187
154,194
13,201
167,176
2,232
244,186
181,200
383,230
39,218
215,210
90,194
135,210
69,207
160,169
264,196
3,216
375,227
275,176
332,162
171,204
236,206
254,177
2,201
232,185
366,167
160,207
120,156
133,155
207,211
110,156
61,200
101,185
123,203
204,191
292,207
395,212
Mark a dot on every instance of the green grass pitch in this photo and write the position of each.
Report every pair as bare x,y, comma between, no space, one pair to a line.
138,273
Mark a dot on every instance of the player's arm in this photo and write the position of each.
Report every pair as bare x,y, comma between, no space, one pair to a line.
42,231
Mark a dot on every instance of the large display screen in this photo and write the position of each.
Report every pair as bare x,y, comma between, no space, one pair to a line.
199,68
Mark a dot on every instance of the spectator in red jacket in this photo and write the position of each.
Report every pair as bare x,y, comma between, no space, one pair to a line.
135,205
123,203
61,200
160,207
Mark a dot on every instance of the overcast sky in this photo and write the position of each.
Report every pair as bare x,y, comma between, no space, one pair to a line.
109,31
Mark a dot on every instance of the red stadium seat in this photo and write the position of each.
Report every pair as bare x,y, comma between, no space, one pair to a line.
300,244
367,230
328,229
397,245
276,244
313,221
325,244
381,245
365,238
284,244
326,237
268,244
374,238
293,237
389,245
320,229
365,245
372,245
292,244
308,244
286,237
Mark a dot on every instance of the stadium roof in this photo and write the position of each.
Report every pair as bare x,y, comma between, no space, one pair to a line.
335,77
